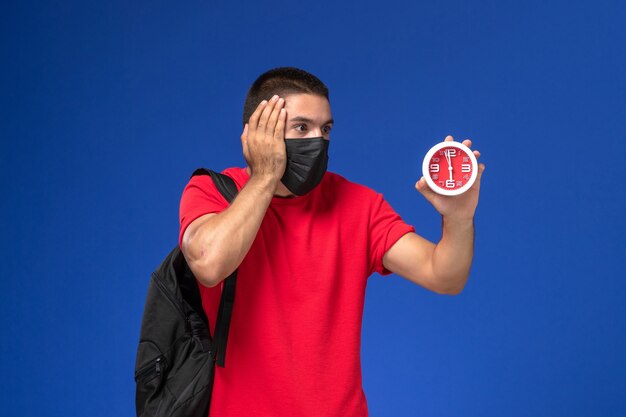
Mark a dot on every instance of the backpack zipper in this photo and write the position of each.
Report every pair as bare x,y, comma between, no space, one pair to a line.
150,371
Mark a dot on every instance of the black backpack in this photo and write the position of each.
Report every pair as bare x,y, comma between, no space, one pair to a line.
176,354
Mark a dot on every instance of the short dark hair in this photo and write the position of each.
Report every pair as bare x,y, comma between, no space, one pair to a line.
281,81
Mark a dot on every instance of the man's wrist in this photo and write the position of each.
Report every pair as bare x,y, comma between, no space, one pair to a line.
264,182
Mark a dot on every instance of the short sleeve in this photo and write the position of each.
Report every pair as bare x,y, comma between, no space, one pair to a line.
200,197
386,227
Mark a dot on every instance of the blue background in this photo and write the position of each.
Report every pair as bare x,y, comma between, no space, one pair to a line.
107,107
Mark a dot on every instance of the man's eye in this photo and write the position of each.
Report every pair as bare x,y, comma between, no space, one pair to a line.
327,129
300,128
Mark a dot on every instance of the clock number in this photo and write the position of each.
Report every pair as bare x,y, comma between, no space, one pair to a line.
465,159
452,152
450,183
434,168
435,159
466,168
435,177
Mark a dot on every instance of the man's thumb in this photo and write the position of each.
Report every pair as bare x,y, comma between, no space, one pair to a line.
423,188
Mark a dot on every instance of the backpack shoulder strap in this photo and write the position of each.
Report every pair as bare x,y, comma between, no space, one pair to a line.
228,189
225,184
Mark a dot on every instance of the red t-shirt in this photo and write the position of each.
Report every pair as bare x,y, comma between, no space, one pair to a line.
294,342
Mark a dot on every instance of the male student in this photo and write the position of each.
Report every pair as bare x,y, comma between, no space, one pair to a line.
305,241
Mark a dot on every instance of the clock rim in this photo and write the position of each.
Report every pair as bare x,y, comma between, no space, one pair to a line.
431,183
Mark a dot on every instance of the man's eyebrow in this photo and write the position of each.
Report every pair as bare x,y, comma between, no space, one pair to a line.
307,120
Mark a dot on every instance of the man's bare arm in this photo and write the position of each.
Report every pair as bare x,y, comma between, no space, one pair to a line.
442,268
215,244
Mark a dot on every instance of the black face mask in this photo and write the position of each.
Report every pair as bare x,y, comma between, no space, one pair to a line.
307,160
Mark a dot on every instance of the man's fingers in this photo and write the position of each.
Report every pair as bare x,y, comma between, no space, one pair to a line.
481,169
271,123
279,131
448,138
468,143
265,115
254,119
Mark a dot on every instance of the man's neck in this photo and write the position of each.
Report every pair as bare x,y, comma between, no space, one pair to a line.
282,191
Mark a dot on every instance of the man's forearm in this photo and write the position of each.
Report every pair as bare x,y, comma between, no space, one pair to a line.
217,246
452,257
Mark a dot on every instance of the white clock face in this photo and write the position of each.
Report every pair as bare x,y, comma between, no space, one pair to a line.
450,168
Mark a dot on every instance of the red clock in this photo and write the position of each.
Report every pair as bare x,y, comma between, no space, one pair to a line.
450,168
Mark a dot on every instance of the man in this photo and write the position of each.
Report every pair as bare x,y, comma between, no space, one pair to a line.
305,241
